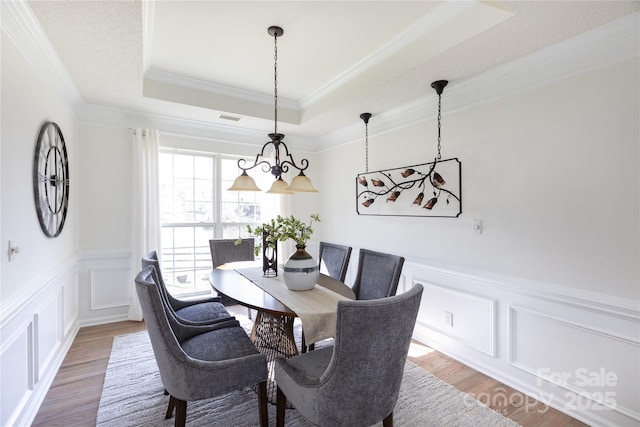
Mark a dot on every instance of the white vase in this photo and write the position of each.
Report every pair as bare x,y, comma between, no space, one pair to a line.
300,271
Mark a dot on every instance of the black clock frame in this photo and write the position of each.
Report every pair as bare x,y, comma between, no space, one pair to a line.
51,179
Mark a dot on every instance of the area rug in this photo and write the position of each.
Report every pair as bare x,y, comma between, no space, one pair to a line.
132,395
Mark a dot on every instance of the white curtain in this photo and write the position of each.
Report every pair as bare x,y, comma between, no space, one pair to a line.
145,211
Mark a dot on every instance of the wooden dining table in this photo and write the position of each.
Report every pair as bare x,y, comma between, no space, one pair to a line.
272,331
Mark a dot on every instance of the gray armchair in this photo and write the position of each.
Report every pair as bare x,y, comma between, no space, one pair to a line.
199,362
334,259
196,311
378,274
226,250
356,382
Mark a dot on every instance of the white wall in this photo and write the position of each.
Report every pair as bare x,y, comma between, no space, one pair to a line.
552,173
39,308
552,285
105,187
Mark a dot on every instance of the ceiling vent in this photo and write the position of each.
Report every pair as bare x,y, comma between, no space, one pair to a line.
227,117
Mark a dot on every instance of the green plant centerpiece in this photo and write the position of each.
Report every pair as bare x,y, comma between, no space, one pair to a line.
300,270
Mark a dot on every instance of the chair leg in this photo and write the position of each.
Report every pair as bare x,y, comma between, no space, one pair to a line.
262,403
249,313
181,413
281,404
388,420
172,404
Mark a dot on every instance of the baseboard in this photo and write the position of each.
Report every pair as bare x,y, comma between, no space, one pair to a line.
103,320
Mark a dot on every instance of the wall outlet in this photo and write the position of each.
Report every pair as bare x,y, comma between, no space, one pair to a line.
448,318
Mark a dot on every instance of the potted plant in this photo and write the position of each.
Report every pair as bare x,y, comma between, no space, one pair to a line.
300,270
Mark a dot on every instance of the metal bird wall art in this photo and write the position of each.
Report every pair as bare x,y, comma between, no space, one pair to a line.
418,190
403,191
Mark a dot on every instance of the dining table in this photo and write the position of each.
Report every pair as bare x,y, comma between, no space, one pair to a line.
277,307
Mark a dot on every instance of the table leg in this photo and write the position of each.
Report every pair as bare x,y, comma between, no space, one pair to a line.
273,336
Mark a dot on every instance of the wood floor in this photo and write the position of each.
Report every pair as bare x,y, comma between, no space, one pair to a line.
75,393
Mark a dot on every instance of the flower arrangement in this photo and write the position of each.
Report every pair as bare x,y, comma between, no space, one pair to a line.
282,229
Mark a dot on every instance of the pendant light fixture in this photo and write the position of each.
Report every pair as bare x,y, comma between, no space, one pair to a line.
283,160
429,189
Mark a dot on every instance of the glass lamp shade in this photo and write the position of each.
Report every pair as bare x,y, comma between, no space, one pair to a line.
244,183
302,183
279,186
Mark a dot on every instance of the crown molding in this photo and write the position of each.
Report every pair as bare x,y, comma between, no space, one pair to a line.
606,45
21,26
439,17
121,118
218,89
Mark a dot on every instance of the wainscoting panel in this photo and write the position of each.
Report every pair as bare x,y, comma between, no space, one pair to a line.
70,305
466,318
110,288
38,326
105,284
48,331
16,367
598,373
575,351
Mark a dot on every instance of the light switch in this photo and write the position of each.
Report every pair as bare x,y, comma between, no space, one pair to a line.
476,226
13,250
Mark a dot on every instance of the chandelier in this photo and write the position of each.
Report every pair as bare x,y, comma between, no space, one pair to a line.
282,158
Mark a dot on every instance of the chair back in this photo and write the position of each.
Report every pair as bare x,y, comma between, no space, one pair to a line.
169,355
378,275
333,260
151,259
371,345
225,250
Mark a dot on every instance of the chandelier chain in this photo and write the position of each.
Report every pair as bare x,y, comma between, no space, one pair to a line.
439,118
275,81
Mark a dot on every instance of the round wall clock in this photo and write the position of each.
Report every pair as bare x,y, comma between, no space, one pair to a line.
51,179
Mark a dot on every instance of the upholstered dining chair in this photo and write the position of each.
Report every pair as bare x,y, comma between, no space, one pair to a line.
333,260
199,362
196,311
226,250
378,274
356,382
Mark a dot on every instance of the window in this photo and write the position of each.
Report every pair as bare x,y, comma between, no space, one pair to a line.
195,207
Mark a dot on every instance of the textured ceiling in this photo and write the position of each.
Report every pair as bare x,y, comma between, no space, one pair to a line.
197,60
